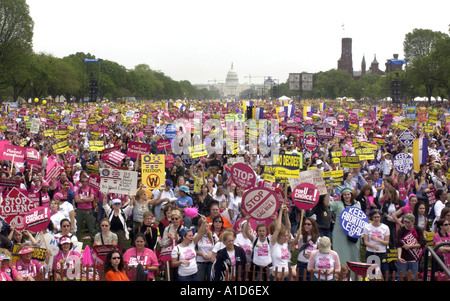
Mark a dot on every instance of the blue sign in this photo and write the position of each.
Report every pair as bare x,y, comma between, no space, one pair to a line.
353,220
171,131
403,163
407,138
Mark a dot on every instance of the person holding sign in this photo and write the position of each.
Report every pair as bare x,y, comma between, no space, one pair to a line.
348,248
410,243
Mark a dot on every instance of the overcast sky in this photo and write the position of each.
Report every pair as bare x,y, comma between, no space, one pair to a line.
197,40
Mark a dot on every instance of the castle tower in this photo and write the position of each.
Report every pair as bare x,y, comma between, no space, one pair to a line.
346,60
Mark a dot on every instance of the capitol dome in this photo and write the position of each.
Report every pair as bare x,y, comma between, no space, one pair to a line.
232,77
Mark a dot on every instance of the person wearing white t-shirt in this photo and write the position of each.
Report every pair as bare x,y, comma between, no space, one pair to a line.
376,239
244,238
184,257
281,247
261,256
205,240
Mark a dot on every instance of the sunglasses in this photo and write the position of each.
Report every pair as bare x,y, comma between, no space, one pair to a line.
115,258
445,224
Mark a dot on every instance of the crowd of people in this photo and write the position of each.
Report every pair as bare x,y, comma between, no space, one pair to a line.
156,234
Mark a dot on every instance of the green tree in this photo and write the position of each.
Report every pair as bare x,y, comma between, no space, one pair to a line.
16,34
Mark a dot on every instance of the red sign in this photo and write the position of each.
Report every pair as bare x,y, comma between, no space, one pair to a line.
134,149
163,144
14,207
260,203
243,176
13,153
305,196
94,181
37,219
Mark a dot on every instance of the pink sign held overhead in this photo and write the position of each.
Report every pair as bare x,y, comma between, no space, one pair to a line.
305,196
243,176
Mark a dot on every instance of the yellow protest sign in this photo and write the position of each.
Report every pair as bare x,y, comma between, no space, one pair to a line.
153,171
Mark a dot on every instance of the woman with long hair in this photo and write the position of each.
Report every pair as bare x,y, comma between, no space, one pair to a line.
115,267
390,206
204,239
307,237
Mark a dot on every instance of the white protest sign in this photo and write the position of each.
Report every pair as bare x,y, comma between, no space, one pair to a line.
118,181
312,176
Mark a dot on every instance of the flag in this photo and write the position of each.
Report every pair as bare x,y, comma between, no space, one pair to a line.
420,152
290,110
306,110
322,106
258,113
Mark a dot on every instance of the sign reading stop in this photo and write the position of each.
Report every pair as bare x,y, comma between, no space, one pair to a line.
243,176
305,196
260,203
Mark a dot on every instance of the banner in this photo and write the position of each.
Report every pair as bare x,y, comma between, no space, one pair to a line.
353,220
96,146
153,171
114,158
287,166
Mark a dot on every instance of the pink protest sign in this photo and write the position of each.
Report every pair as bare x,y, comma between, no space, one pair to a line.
163,144
305,196
260,203
53,171
94,181
13,153
115,158
134,149
33,156
37,219
243,176
14,207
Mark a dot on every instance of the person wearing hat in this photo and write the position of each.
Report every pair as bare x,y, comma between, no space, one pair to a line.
386,164
4,259
184,201
27,267
66,259
348,248
45,194
162,197
324,260
118,219
410,243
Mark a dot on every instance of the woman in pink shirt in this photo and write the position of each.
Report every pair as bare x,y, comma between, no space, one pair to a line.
140,254
27,267
66,260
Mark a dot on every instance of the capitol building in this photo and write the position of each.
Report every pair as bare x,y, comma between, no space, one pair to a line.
232,89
